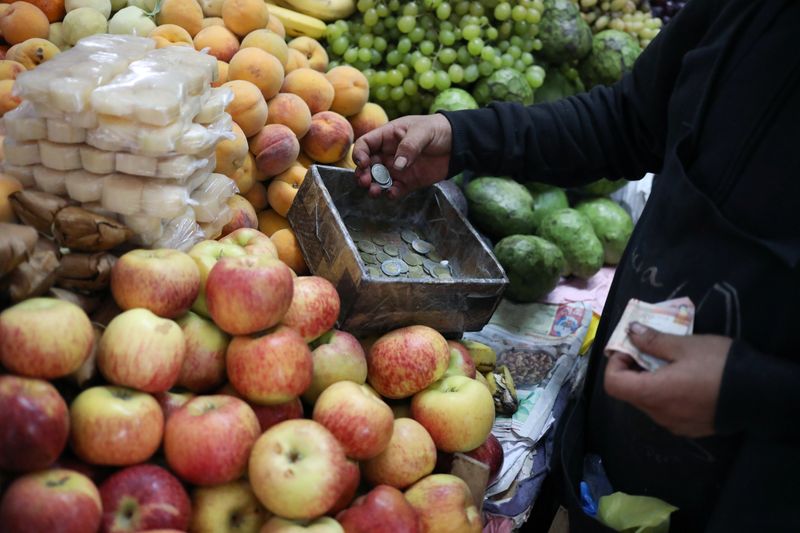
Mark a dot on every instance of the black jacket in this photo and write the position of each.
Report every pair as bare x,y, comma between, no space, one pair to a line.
713,107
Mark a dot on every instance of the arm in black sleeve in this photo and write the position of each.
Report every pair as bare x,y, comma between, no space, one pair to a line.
611,132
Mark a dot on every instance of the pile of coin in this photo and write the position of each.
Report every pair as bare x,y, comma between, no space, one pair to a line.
404,254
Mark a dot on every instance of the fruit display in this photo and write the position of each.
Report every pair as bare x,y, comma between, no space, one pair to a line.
634,17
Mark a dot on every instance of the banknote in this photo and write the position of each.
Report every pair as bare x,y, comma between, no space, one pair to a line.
675,317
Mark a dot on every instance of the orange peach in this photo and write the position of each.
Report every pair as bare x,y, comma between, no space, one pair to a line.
269,222
185,13
244,216
23,21
283,189
248,108
276,147
304,160
244,16
370,117
7,100
213,21
8,186
291,111
275,25
350,90
32,52
296,60
257,174
259,67
312,86
329,137
244,176
257,196
221,42
347,160
53,9
313,50
222,73
289,250
270,42
9,70
171,35
231,153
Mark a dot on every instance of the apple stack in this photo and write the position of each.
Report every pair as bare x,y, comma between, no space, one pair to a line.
127,131
221,395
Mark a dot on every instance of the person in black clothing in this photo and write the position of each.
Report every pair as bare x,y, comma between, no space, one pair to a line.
712,107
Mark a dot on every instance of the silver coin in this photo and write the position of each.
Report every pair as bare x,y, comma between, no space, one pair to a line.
416,271
422,247
379,239
394,267
382,257
380,175
369,259
409,236
411,258
367,247
392,250
433,255
374,271
441,272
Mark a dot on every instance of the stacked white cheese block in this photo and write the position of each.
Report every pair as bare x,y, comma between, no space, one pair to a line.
128,131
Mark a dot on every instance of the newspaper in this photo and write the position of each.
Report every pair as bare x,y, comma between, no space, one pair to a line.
673,316
540,343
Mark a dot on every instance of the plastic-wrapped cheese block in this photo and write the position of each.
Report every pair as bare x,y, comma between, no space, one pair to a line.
123,194
97,161
138,165
120,134
214,107
148,229
24,174
23,124
209,199
127,45
84,186
155,99
60,131
97,207
21,153
179,167
182,232
60,156
85,119
198,139
49,180
162,199
200,69
212,230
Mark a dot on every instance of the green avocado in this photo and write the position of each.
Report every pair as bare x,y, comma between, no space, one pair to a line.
453,99
612,225
533,266
564,34
546,198
500,206
504,85
613,54
556,86
572,232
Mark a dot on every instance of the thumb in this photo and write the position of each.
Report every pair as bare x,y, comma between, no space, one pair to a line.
411,146
653,342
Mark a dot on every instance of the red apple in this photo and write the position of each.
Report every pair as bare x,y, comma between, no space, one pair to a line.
359,419
44,338
172,401
141,350
164,281
248,294
96,473
410,456
51,500
273,368
337,356
384,509
88,370
269,415
315,307
35,424
352,479
144,497
406,360
253,241
457,411
115,426
228,508
203,366
461,363
324,524
491,454
205,255
444,503
298,469
208,440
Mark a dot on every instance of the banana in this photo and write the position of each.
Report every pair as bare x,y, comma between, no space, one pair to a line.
297,24
485,358
327,10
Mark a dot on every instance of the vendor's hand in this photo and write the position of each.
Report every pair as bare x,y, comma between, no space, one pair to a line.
415,149
682,395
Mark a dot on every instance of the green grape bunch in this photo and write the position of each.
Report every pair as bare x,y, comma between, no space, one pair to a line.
631,16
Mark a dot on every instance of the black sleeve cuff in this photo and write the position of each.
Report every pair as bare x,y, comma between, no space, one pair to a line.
475,139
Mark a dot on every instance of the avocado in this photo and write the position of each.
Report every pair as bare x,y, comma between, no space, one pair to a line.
546,198
564,34
613,54
533,266
612,225
572,232
602,187
504,85
453,99
557,85
500,206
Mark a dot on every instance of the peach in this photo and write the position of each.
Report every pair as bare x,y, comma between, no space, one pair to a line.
312,86
291,111
347,160
23,21
7,100
244,16
32,52
259,67
370,117
3,49
283,189
275,147
8,186
257,196
350,90
270,42
275,25
231,153
313,50
329,137
9,70
244,176
213,21
169,35
222,74
184,13
53,9
244,216
221,42
248,108
257,174
289,250
270,222
304,160
296,60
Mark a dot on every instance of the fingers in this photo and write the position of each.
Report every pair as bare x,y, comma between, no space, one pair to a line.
622,379
655,343
413,143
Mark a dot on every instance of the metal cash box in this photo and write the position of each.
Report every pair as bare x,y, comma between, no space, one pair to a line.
329,201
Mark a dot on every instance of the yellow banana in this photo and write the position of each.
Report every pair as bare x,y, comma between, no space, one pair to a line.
297,24
485,358
327,10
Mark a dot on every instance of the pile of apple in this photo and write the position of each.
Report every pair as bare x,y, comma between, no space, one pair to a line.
192,420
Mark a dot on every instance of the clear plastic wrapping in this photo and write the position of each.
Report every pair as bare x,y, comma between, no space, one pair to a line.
84,186
24,174
21,153
214,107
210,198
61,131
60,156
49,180
24,124
96,160
182,232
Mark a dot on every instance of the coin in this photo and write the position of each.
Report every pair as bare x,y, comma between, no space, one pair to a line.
411,258
417,275
379,239
369,259
409,236
394,267
367,247
441,272
416,271
382,257
391,249
374,271
381,176
422,247
434,256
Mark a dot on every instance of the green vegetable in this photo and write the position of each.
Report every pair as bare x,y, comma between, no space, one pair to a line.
504,85
613,54
572,232
500,206
533,266
602,187
564,34
612,225
453,100
556,86
546,198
